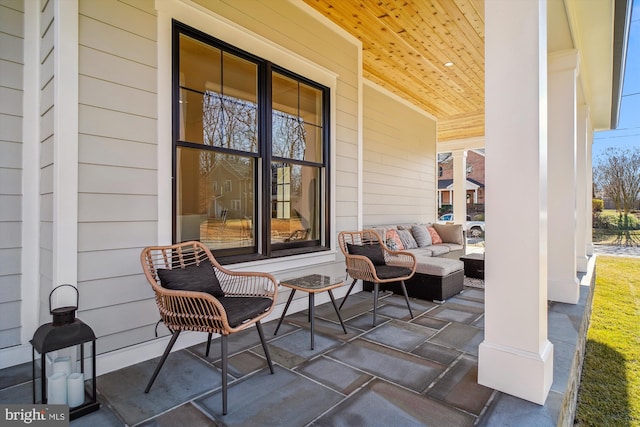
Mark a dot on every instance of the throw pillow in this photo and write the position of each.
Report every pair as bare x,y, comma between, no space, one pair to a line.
373,252
422,236
407,239
435,237
450,233
393,240
201,278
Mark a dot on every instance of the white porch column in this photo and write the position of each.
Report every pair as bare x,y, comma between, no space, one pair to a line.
583,189
589,179
459,186
563,285
65,151
516,357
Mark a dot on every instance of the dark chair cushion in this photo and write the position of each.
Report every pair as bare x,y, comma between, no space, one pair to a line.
201,278
390,271
373,252
241,309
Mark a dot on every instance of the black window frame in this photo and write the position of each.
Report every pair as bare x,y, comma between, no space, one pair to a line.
262,247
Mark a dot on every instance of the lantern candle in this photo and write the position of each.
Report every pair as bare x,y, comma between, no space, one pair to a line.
62,364
75,389
57,391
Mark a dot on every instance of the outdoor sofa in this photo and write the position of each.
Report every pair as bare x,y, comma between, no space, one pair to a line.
439,272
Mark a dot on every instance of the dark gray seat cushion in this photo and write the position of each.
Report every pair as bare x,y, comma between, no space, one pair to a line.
390,271
241,309
201,278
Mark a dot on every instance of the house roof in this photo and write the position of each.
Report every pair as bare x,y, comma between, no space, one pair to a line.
447,184
407,46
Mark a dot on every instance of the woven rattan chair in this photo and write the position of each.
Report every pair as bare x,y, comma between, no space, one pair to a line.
370,260
248,298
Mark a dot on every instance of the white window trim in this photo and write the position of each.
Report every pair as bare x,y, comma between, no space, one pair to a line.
219,27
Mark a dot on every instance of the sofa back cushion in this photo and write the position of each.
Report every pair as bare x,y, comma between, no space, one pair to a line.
421,235
450,233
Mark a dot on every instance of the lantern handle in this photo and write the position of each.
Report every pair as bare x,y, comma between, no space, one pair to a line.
60,286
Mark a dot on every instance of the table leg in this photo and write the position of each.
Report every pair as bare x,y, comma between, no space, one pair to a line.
333,301
286,307
312,307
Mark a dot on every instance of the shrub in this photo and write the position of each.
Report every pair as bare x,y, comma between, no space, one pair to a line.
597,205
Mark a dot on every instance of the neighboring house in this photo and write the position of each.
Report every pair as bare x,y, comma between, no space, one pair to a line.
109,107
475,178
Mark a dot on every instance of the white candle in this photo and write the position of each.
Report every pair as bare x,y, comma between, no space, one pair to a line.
62,364
75,389
57,389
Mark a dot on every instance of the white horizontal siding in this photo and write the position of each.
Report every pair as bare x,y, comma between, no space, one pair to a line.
99,236
114,291
115,69
116,152
117,207
399,158
10,288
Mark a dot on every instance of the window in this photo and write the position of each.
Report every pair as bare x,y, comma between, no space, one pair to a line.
260,131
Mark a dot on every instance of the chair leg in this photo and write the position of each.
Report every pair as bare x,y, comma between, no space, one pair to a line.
223,345
264,345
376,291
206,354
348,292
167,350
406,297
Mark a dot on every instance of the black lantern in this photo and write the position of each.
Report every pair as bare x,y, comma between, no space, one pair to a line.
65,331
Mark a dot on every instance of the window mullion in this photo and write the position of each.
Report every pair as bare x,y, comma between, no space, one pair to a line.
265,137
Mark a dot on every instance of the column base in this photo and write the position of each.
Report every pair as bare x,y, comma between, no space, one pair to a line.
567,291
521,374
582,263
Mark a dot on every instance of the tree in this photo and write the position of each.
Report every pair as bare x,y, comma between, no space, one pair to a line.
617,175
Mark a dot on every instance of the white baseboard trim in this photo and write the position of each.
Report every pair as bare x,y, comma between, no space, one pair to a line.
15,355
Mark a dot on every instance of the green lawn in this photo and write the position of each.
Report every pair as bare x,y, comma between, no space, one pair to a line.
609,393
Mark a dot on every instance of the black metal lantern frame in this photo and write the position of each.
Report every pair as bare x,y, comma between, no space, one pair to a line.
65,331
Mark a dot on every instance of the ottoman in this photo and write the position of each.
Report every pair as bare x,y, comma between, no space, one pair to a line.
473,265
435,279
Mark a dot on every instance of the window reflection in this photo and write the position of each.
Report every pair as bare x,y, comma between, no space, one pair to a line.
221,216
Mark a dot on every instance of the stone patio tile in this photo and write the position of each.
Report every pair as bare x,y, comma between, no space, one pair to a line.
182,378
452,313
294,349
185,415
18,374
429,322
258,400
22,393
383,404
401,335
418,306
399,367
479,323
562,328
461,301
395,311
563,356
104,417
506,410
461,337
365,321
355,306
322,326
340,377
472,294
437,353
240,341
459,387
244,363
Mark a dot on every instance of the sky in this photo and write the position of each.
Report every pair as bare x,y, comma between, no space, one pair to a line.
627,134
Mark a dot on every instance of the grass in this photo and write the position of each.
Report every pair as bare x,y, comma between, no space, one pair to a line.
609,393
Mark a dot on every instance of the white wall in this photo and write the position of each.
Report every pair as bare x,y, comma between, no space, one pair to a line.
11,142
399,160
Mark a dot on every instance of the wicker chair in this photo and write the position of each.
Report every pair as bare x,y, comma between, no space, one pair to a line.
248,298
370,260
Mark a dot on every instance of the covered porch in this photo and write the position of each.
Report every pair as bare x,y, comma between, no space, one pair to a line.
90,151
419,371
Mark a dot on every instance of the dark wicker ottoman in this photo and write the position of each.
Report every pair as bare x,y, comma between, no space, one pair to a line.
436,279
473,265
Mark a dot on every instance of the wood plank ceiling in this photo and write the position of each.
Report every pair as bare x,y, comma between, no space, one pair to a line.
406,44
